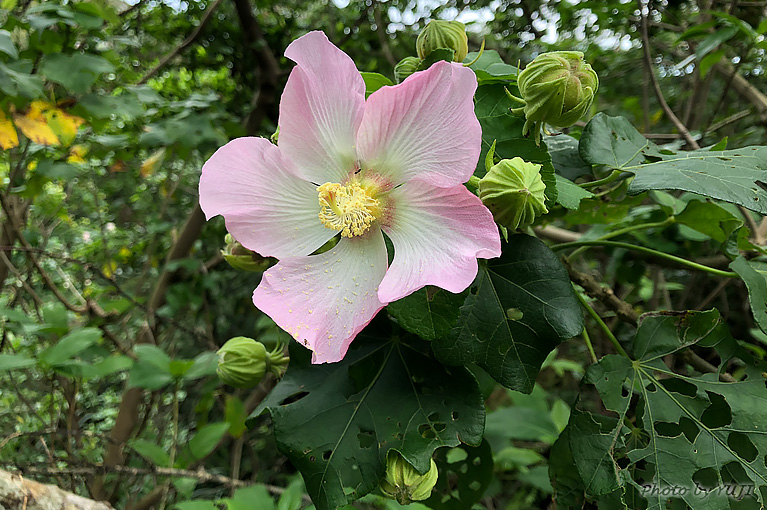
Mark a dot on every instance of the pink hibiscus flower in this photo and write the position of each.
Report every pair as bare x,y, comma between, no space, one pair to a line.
394,163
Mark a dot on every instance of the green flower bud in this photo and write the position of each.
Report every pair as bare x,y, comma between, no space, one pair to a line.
405,68
443,34
557,88
514,192
243,259
404,483
242,362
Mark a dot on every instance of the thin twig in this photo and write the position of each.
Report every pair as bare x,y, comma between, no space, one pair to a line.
656,86
184,45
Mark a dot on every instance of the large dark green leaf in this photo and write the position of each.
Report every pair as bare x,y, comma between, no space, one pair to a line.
429,313
738,176
520,307
336,422
464,474
500,126
682,431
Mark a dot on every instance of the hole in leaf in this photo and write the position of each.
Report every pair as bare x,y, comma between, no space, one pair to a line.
476,462
475,485
624,392
454,415
718,414
623,462
761,184
651,388
474,290
680,386
743,446
312,458
706,478
326,455
689,428
456,455
463,469
733,473
426,431
668,429
295,397
440,427
365,438
433,417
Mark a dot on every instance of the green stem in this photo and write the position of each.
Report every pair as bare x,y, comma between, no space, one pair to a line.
172,456
615,174
649,251
626,230
590,347
601,323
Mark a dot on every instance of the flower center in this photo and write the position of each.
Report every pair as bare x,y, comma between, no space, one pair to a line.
349,209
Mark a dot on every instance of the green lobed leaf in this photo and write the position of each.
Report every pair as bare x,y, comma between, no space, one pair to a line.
565,157
757,289
569,194
500,126
464,474
429,313
69,346
738,176
685,431
520,307
337,422
714,221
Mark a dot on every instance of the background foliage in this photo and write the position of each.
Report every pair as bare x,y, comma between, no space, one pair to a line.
115,295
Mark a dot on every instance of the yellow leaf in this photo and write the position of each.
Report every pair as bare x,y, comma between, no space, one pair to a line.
153,162
77,153
34,124
63,124
8,137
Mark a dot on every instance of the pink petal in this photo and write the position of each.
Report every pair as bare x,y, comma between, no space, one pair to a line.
326,299
321,109
425,127
437,233
266,207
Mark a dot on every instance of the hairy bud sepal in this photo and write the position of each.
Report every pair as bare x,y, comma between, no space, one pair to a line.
406,67
514,192
439,34
403,483
557,88
241,258
243,362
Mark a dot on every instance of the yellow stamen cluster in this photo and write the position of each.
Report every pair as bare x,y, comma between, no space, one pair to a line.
348,208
